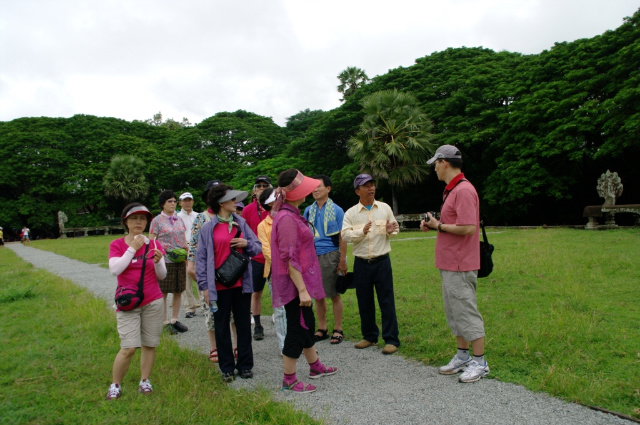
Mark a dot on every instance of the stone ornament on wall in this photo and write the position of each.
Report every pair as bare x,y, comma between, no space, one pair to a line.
609,187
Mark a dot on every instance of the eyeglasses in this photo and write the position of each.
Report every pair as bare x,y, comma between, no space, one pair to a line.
262,186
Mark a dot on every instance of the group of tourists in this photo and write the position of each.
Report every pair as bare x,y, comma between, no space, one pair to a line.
299,257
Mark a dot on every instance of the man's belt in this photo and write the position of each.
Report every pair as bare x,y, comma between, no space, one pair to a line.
374,259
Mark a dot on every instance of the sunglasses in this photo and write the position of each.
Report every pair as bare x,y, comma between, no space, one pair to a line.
262,185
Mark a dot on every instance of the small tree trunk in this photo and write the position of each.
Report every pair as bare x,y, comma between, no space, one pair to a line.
394,200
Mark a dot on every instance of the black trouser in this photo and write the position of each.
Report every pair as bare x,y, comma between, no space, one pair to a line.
233,300
377,274
298,337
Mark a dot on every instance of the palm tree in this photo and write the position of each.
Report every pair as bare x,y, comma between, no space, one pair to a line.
393,141
351,79
125,178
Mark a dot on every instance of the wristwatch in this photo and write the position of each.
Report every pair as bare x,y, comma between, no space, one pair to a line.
440,228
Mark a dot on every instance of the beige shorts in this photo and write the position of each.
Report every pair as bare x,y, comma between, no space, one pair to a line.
141,326
329,269
460,306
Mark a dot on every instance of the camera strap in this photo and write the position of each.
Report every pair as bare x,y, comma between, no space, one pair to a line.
140,293
449,192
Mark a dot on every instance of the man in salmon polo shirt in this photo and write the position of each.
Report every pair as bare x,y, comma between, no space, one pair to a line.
458,258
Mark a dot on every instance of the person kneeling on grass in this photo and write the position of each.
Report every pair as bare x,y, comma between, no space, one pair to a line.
142,326
296,278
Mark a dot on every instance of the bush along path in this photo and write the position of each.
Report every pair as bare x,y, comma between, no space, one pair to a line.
369,387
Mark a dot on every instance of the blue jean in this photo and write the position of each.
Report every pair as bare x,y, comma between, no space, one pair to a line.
367,277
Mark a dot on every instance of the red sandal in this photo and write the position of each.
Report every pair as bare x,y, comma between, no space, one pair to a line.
213,355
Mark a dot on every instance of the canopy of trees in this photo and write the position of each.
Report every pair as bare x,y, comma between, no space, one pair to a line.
536,132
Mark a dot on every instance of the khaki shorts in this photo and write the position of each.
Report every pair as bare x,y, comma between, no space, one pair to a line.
176,280
460,306
141,326
329,266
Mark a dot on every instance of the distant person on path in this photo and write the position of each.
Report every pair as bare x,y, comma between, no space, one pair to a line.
169,230
267,199
142,326
216,240
200,220
458,258
188,215
369,226
254,214
1,237
296,278
326,218
24,236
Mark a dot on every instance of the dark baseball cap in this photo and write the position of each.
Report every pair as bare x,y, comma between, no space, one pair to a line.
263,179
362,179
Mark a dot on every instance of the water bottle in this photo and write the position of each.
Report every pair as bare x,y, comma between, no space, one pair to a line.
213,306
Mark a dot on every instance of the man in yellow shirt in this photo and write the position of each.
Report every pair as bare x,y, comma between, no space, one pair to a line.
369,225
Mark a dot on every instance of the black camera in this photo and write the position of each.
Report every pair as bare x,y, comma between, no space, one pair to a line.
427,218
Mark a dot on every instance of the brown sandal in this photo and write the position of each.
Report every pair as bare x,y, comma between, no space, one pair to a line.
337,339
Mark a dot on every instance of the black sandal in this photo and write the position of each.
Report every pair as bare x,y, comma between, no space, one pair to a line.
324,335
337,339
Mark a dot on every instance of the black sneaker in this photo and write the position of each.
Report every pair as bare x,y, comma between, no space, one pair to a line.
180,327
169,328
228,377
246,374
258,334
190,315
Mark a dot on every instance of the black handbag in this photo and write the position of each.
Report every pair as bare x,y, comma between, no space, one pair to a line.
486,249
344,282
233,267
128,299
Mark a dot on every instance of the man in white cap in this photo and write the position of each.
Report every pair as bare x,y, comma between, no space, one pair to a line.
187,215
458,258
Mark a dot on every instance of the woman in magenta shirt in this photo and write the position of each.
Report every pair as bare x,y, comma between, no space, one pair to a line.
142,326
296,278
216,240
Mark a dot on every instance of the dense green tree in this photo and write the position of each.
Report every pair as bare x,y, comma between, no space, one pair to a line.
351,79
125,179
394,140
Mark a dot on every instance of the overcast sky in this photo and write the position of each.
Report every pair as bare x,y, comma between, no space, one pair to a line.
133,58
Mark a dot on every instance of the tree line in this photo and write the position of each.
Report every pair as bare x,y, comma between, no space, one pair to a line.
536,132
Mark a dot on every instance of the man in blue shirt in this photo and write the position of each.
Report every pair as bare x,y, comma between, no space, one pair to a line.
326,218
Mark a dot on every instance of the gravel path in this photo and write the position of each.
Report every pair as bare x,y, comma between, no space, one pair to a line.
370,387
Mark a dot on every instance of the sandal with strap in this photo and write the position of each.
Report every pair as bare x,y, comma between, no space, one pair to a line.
337,339
298,387
213,355
327,370
323,335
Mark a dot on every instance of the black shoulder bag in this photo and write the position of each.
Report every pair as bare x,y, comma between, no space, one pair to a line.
486,249
233,267
127,298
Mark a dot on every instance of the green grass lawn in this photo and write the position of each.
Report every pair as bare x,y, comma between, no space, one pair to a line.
561,310
58,345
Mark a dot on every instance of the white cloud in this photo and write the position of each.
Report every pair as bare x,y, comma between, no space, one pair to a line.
131,59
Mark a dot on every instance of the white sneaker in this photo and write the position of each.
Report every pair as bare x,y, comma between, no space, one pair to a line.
454,366
474,372
114,392
145,387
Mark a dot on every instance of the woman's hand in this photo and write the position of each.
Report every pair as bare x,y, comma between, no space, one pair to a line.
137,242
157,255
305,298
191,270
205,294
239,243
